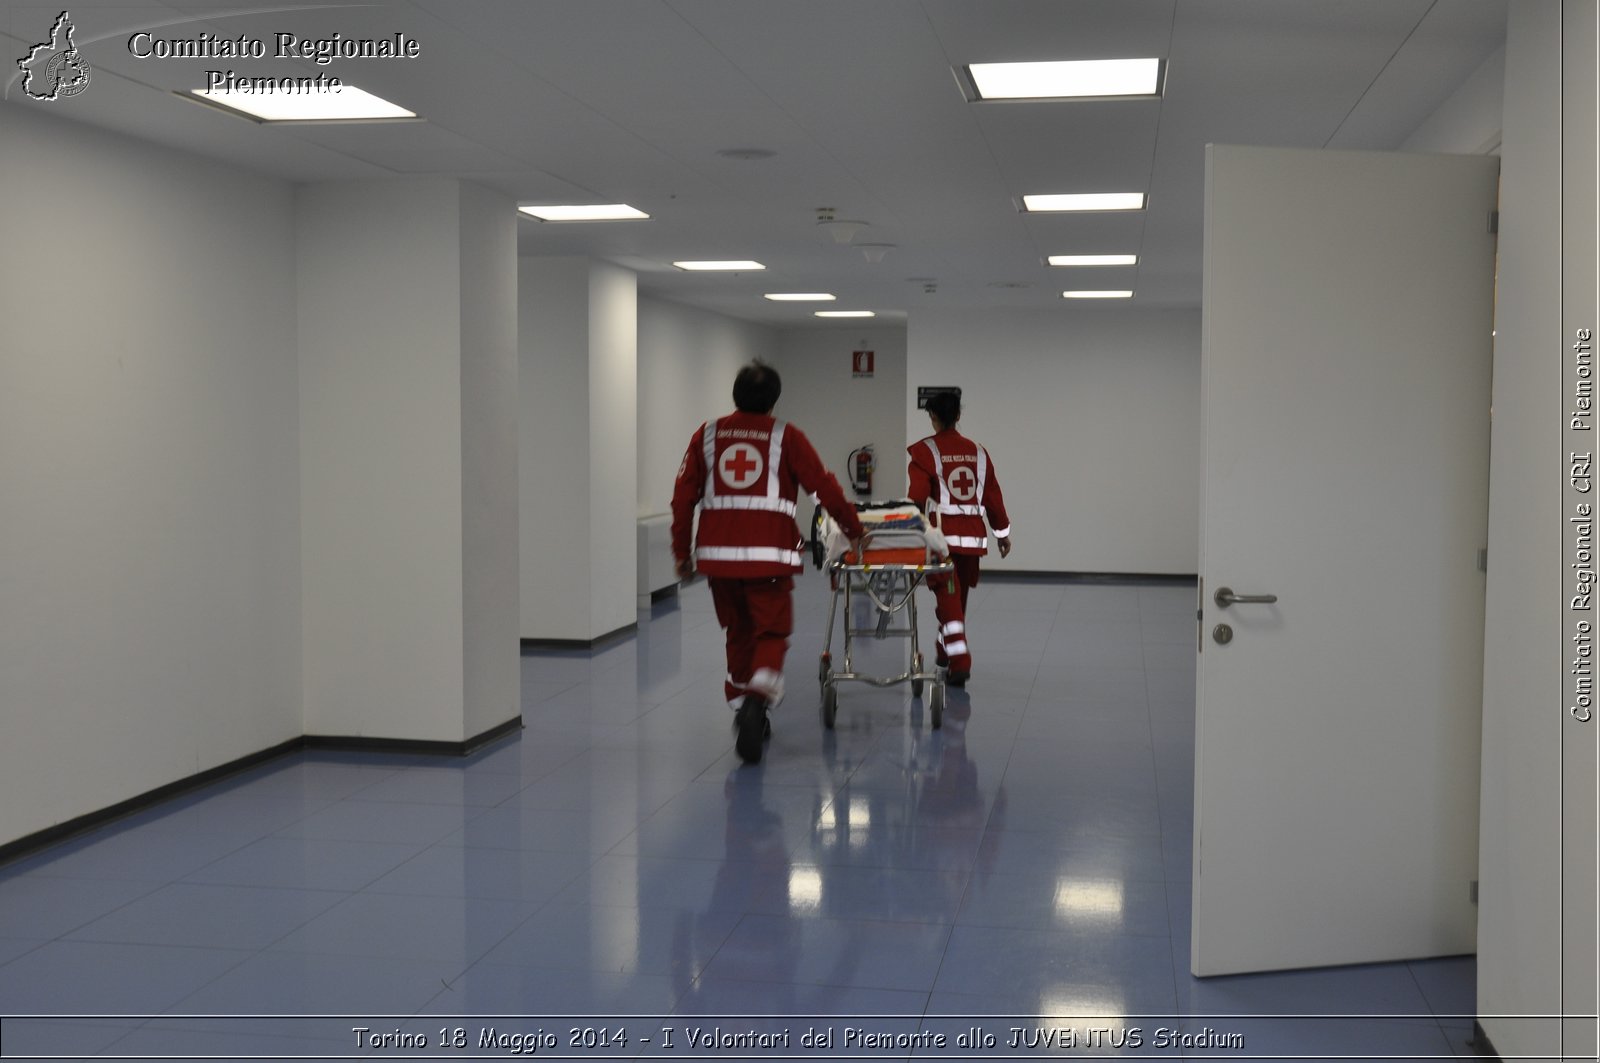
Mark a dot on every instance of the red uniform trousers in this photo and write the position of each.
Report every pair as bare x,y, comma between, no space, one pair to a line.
950,607
758,617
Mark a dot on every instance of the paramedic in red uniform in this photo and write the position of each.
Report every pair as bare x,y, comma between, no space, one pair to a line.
742,470
953,482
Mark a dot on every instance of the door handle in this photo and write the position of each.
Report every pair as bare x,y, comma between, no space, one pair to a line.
1225,597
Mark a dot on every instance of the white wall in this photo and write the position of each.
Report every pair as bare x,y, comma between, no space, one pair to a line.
1519,913
406,459
579,379
613,446
840,412
1468,123
1523,935
1092,417
149,562
553,465
687,361
489,489
380,410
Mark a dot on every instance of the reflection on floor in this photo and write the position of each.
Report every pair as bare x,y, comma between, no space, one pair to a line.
1028,863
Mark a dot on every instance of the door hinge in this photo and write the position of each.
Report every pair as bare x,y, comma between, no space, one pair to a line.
1474,891
1483,559
1494,222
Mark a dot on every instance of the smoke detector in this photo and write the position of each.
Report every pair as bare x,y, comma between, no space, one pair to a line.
841,229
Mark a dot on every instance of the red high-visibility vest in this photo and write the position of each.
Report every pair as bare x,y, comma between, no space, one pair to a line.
953,480
743,471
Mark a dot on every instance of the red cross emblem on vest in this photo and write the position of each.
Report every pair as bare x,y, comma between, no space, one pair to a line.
964,484
740,466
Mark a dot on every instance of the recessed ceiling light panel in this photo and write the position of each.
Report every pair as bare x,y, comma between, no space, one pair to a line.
281,100
719,264
585,212
1077,79
799,297
1097,295
1093,260
845,313
1083,201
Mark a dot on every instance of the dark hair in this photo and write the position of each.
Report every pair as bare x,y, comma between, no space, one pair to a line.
756,388
945,405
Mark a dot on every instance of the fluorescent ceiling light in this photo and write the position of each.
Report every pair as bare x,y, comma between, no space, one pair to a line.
590,212
1084,201
1093,260
799,297
731,264
844,313
1065,80
1098,295
349,104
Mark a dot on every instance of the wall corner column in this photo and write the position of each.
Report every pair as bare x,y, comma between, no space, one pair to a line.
405,318
578,345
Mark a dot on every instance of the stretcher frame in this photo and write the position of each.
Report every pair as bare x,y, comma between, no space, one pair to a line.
891,587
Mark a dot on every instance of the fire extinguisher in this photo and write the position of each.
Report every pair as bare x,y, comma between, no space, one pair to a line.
861,466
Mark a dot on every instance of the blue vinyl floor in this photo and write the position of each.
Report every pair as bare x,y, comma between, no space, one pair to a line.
1027,865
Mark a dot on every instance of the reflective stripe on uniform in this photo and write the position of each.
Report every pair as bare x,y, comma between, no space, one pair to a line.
971,541
954,627
1003,533
768,684
959,511
708,440
774,456
955,649
748,553
773,505
938,475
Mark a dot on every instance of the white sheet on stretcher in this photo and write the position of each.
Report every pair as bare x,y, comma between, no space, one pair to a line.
838,544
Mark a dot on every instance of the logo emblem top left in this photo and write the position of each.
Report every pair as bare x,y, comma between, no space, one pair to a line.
55,69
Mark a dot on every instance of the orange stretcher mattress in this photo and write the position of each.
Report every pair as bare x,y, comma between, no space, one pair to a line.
898,529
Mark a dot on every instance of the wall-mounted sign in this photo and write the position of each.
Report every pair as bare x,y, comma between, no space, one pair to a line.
861,363
924,394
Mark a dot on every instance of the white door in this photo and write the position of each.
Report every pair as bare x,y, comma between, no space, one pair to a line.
1345,382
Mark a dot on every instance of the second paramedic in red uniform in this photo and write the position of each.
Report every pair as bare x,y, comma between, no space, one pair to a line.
742,471
953,481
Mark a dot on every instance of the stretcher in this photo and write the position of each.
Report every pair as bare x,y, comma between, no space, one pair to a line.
897,554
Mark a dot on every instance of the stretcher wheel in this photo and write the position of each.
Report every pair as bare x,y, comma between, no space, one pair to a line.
824,668
936,706
916,684
830,704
